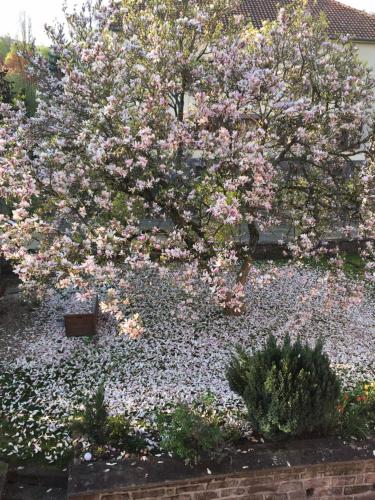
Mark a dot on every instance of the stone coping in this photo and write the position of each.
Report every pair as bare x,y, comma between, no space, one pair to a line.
87,479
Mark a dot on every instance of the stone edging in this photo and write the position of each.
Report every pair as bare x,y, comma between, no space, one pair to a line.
313,468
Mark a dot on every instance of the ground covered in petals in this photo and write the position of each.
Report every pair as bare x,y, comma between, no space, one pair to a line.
181,355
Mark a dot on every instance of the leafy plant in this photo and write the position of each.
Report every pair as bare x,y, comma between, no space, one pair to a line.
120,435
6,91
357,412
193,432
93,422
289,390
104,430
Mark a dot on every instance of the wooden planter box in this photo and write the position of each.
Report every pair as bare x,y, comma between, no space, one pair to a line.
82,324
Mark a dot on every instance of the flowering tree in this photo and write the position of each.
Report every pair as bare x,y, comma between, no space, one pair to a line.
174,131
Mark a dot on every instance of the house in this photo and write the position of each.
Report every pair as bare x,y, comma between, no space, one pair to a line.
343,20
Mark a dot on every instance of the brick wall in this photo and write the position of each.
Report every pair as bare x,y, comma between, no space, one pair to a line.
340,480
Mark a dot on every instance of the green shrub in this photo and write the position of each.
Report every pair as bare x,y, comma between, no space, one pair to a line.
117,430
104,430
94,419
193,432
357,412
289,390
120,435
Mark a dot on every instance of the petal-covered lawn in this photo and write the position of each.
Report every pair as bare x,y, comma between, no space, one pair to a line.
181,355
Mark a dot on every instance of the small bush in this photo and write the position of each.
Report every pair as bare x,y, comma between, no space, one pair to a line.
289,390
357,412
193,433
120,435
94,419
117,430
104,430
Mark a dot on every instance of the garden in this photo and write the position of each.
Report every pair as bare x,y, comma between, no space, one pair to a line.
168,139
176,383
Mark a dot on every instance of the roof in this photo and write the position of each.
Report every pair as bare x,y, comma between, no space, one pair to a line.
343,20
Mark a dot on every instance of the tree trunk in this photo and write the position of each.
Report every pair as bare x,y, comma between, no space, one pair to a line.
243,273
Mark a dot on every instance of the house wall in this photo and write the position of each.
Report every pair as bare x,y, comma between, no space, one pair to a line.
367,53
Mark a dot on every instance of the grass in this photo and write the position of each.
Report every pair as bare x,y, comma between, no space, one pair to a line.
354,265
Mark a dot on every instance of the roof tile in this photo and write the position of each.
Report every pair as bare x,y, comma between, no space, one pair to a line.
343,20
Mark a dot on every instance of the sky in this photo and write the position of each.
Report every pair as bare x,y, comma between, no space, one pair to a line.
40,12
46,11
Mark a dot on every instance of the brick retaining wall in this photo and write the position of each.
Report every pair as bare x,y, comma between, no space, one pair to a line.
339,480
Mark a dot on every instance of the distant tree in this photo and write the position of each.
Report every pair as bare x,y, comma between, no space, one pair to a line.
21,50
6,93
5,45
17,62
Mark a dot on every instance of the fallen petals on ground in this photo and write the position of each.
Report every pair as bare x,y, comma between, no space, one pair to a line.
181,355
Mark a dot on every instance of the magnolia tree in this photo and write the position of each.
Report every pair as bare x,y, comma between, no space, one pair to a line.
174,131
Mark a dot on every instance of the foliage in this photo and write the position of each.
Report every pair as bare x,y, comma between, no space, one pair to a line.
6,93
353,265
24,91
102,429
121,436
193,432
357,412
201,129
289,390
17,63
18,83
5,45
93,421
